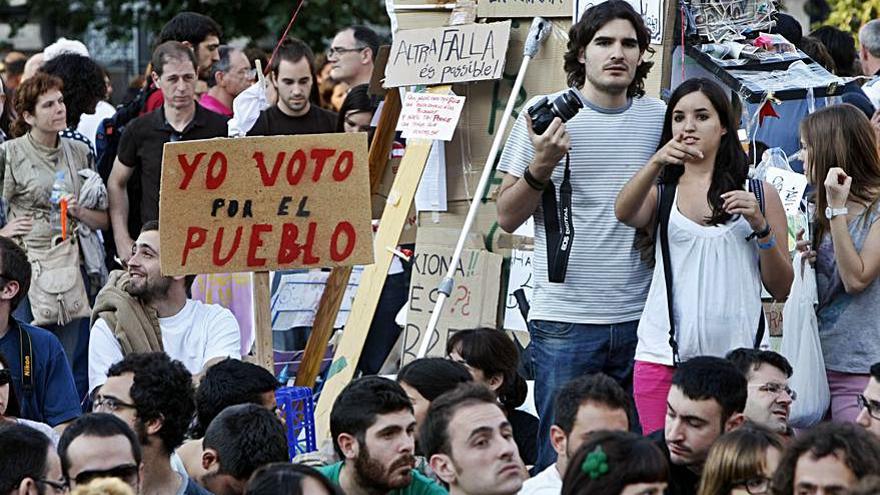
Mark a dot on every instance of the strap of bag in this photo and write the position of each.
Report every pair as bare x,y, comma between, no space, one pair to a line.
666,200
757,188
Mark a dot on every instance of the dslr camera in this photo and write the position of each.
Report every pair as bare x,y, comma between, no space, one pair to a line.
565,106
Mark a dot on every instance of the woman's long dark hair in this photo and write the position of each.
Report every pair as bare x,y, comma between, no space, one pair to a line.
13,409
492,352
731,163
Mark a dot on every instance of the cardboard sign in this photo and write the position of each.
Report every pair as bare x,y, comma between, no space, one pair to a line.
473,303
447,55
430,116
520,278
265,203
299,293
790,186
651,10
524,8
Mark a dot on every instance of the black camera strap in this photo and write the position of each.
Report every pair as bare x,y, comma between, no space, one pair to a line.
559,237
26,354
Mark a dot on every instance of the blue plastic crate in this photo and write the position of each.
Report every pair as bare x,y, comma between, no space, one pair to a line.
298,410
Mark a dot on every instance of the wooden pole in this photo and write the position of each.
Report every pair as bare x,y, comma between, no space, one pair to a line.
263,322
337,282
671,13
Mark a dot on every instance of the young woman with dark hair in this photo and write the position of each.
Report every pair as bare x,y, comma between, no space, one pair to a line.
281,478
425,379
722,244
616,463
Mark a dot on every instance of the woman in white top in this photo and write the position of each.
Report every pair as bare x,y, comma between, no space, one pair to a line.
721,246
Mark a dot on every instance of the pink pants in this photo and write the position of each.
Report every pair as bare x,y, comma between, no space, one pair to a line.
845,387
651,384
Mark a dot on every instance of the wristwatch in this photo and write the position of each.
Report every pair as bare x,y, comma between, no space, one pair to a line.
833,212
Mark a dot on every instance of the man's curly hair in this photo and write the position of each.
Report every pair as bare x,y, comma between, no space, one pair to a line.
581,34
162,389
83,83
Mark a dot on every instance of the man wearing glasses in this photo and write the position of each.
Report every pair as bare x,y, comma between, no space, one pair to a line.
228,77
100,446
351,55
154,395
869,403
28,462
770,398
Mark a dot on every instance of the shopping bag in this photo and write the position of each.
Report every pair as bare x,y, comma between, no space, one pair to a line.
802,348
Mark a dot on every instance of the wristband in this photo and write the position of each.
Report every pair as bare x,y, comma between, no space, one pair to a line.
759,234
767,245
532,181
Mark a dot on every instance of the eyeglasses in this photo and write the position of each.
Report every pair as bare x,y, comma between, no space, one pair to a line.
125,472
872,406
334,51
57,486
777,389
110,404
755,486
5,377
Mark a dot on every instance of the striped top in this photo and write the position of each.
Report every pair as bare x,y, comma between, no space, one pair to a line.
606,282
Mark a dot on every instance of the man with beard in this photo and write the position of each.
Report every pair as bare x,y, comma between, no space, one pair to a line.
101,445
293,76
769,400
469,443
194,333
372,426
154,395
241,439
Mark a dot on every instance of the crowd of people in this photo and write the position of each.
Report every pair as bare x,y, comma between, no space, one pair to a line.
648,341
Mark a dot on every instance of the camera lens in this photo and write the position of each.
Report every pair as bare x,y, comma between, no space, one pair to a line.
567,105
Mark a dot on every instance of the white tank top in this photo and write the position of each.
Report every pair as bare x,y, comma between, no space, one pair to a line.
716,285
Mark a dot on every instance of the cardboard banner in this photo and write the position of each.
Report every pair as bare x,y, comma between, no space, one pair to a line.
651,10
447,55
265,203
473,303
524,8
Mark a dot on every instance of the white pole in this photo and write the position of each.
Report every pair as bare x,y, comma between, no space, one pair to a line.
537,34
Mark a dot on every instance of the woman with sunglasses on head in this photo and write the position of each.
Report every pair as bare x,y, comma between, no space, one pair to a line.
742,462
724,243
842,162
9,407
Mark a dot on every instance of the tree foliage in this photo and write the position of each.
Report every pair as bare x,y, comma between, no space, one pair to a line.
261,20
849,15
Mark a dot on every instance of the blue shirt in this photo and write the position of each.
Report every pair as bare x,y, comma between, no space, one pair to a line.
54,399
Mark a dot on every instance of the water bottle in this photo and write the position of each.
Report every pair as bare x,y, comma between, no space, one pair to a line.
58,191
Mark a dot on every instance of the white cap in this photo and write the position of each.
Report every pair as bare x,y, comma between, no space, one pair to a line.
64,45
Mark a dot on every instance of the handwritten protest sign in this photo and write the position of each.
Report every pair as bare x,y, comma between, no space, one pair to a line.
430,116
523,8
520,278
790,186
447,55
651,10
265,203
473,303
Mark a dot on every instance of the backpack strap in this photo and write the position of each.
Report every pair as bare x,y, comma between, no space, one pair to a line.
666,195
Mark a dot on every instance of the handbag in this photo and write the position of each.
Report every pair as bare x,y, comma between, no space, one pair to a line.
57,294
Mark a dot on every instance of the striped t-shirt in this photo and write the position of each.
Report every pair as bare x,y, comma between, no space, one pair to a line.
606,281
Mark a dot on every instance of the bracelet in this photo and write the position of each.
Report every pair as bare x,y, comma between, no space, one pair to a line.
532,181
759,234
767,245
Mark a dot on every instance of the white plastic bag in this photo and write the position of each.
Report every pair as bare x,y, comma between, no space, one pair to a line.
801,346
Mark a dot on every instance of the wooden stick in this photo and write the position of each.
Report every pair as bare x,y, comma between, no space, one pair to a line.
263,321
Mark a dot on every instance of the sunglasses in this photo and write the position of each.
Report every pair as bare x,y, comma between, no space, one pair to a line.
125,472
5,377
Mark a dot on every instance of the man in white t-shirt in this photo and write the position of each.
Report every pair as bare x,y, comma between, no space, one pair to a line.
584,405
195,333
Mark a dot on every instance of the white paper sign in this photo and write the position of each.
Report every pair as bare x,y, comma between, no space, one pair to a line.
790,186
651,10
431,194
430,116
520,278
299,292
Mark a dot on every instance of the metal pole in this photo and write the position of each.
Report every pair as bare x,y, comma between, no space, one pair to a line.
538,32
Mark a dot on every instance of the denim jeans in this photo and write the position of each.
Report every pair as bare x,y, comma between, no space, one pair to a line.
564,351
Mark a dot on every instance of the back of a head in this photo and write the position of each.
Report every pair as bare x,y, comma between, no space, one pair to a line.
162,389
283,478
83,83
494,353
707,377
841,46
101,425
191,27
228,383
433,376
817,51
365,36
15,266
434,432
23,452
789,27
360,402
850,443
869,37
14,63
598,388
245,437
738,455
747,360
611,460
104,486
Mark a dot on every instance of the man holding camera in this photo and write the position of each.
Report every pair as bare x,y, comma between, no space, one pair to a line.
589,282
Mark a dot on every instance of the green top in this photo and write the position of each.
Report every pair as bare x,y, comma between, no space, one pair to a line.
420,485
